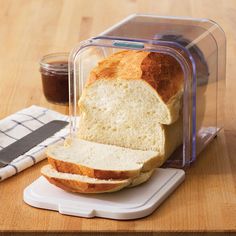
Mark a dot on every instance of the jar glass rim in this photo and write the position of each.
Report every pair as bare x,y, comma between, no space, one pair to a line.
46,61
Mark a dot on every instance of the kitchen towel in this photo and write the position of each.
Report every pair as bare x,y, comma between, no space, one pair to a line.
22,123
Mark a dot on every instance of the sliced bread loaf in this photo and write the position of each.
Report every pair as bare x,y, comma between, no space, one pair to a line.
101,161
128,100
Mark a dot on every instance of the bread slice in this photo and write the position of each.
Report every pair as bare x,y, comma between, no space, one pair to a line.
151,82
84,184
81,183
101,161
142,178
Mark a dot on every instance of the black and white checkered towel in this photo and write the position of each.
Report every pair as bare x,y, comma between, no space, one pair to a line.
22,123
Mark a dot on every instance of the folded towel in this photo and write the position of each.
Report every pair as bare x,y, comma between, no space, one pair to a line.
22,123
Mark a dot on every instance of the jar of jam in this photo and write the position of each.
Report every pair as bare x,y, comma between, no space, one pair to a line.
54,73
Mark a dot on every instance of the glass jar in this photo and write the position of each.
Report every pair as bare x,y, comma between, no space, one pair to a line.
54,73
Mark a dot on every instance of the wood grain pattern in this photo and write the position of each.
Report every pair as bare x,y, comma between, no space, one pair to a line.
29,29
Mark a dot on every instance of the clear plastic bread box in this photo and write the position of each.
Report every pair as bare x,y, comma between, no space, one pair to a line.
198,45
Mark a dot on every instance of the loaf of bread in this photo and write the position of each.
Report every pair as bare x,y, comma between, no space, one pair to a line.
130,98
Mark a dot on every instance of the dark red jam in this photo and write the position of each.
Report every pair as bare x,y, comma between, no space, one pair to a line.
55,82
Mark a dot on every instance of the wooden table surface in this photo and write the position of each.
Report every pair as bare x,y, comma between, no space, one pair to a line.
205,202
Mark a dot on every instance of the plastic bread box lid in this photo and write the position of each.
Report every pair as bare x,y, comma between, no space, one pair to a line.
126,204
199,47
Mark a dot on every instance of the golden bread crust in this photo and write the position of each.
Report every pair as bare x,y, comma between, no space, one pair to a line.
161,71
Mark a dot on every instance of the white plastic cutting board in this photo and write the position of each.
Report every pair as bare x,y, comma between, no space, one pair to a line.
130,203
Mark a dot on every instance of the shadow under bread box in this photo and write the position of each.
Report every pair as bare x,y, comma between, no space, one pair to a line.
183,59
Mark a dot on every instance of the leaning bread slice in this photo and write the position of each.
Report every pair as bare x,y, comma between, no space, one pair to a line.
101,161
81,183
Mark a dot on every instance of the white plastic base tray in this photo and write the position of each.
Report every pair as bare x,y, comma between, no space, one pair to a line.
126,204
